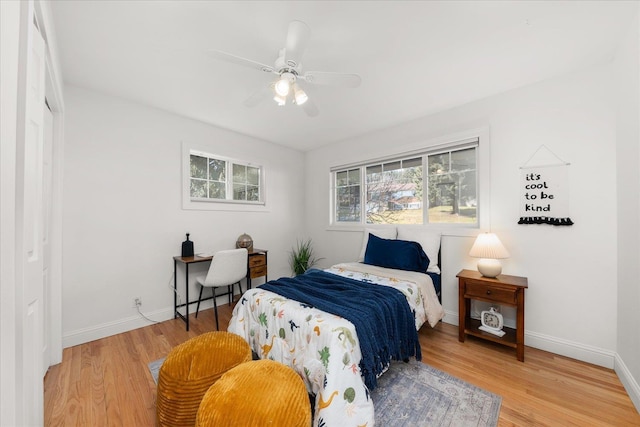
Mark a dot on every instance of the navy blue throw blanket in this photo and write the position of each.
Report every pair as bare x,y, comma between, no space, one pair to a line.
384,322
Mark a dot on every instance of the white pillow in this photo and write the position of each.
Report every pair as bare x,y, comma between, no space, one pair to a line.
383,233
430,242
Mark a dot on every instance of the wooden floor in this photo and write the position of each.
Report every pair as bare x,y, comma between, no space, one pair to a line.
107,382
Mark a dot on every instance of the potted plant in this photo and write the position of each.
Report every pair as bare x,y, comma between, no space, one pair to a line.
302,257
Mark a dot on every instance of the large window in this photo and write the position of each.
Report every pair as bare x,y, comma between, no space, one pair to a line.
213,178
437,186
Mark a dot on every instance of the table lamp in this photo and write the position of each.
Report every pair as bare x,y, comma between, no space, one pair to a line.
490,250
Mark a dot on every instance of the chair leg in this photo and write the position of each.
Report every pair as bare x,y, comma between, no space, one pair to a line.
215,309
199,298
230,292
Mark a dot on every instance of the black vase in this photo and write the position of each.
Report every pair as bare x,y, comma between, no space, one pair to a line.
187,247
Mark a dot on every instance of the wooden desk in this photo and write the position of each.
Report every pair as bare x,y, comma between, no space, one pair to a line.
256,267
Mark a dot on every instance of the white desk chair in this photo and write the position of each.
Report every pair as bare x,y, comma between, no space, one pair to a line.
227,268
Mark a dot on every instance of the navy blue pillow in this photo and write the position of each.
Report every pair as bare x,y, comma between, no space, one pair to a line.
398,254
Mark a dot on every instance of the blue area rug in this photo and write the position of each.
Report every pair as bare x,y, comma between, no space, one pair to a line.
416,395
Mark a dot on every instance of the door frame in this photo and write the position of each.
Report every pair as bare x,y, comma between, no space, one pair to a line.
17,18
54,94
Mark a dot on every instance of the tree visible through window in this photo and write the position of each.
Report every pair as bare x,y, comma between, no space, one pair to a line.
209,179
452,182
348,195
438,187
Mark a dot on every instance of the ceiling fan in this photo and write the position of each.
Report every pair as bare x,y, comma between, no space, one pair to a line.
288,67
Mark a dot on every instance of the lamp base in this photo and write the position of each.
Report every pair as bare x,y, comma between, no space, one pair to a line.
489,267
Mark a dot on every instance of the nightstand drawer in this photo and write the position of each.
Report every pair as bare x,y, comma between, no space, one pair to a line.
257,260
483,290
258,271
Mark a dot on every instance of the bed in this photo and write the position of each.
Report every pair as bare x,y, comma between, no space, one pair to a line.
324,348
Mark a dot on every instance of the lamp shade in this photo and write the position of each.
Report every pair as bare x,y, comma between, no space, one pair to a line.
487,245
489,249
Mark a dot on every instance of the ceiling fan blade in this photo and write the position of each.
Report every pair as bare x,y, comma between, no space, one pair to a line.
224,56
310,108
258,97
297,39
332,79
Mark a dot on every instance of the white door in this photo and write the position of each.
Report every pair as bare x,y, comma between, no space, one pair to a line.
29,230
47,213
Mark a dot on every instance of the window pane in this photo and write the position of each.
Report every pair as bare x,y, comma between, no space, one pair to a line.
395,195
348,195
438,163
453,195
392,166
341,178
217,170
253,193
239,174
198,188
374,169
239,192
198,166
463,160
253,176
217,190
409,163
354,176
348,204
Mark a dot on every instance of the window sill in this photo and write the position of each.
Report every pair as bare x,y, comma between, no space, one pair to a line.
446,230
227,206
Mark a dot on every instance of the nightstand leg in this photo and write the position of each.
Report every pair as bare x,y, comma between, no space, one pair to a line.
520,327
462,313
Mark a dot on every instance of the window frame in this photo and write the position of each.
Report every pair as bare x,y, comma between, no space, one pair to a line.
228,203
478,137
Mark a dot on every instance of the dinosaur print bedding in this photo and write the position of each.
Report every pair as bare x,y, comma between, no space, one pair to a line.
323,348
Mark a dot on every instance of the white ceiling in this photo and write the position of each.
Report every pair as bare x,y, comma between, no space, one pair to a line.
415,58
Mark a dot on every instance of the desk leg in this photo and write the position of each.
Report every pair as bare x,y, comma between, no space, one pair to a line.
175,289
186,307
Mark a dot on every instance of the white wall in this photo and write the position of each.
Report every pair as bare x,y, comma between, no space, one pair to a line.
123,220
627,68
572,291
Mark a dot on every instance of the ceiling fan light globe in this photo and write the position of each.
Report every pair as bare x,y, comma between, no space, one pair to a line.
300,95
282,87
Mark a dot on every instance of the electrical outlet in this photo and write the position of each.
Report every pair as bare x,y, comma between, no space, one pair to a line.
137,302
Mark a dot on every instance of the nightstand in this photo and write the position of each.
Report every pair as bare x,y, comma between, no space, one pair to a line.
503,290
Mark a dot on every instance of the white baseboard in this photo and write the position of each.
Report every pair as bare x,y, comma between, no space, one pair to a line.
84,335
574,350
630,384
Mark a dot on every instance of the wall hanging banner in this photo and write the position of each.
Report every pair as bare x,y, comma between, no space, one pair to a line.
544,194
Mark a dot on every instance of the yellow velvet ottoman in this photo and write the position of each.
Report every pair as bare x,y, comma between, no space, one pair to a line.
259,393
190,369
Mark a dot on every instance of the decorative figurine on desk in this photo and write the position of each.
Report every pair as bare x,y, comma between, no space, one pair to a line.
187,247
245,241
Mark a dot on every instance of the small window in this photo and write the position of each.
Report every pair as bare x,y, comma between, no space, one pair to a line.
218,179
430,187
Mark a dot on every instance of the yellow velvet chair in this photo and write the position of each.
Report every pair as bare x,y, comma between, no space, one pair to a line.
190,369
256,394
